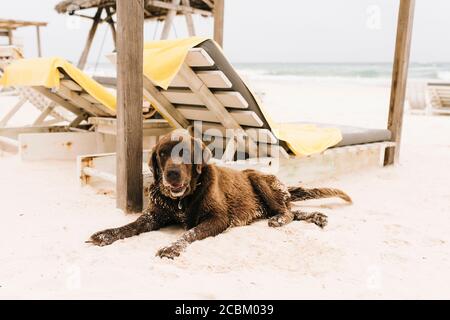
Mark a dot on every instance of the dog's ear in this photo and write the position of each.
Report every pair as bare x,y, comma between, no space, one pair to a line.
202,155
153,163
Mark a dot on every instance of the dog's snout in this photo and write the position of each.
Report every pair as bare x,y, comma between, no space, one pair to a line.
173,175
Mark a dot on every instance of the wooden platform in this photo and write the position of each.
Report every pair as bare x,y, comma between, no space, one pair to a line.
99,169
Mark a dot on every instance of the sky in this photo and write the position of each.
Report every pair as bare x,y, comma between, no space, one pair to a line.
256,31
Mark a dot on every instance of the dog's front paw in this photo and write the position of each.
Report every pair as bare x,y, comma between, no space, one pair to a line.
278,221
103,238
170,252
319,219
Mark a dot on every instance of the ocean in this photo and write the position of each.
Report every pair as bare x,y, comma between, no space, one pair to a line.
317,71
355,71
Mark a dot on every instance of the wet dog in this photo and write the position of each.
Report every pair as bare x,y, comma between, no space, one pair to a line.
207,199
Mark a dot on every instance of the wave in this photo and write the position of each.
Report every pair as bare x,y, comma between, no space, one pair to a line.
355,71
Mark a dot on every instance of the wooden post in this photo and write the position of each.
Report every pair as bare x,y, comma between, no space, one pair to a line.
219,10
110,21
87,47
399,77
10,37
130,48
169,20
38,38
189,19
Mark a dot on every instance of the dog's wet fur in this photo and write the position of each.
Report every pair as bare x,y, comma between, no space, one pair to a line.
207,199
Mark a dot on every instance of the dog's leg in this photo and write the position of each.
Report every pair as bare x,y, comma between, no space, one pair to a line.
317,218
274,196
208,228
281,219
145,223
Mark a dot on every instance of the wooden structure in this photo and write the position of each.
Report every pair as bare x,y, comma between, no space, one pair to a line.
130,48
399,79
163,10
7,28
129,125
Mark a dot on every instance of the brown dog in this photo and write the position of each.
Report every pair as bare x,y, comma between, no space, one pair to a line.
208,199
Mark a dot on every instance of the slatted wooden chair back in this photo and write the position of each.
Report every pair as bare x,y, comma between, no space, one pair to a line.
202,91
439,95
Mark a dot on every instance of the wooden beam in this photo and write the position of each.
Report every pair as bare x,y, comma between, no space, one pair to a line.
38,38
87,47
77,100
151,127
171,6
189,20
10,37
9,23
169,20
44,114
229,99
12,112
111,23
219,10
209,3
59,100
163,105
79,119
399,77
130,48
207,97
13,132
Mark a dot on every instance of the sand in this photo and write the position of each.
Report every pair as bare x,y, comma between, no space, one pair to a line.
393,242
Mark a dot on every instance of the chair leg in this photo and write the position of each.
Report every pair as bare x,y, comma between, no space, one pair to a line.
12,112
44,114
78,120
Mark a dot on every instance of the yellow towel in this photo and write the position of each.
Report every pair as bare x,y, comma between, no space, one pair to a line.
44,72
163,59
307,139
302,139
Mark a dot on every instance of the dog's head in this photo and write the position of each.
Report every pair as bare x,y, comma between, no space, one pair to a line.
177,161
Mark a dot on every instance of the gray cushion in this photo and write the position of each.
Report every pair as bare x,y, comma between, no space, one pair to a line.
356,135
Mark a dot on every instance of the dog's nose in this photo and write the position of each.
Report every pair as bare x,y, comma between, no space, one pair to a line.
173,175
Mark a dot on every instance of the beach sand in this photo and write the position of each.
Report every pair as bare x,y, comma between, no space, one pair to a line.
393,242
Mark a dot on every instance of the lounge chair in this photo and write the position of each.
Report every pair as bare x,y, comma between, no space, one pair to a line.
9,54
68,87
439,97
207,88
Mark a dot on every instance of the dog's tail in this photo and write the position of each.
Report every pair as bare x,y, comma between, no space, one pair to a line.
299,194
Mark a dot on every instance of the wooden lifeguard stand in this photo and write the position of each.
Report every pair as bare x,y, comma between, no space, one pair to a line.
165,10
7,28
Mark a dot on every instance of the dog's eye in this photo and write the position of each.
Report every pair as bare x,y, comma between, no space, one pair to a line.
162,154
